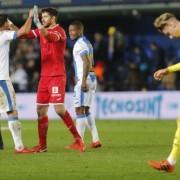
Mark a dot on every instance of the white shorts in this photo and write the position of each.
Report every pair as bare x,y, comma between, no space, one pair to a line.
81,98
7,96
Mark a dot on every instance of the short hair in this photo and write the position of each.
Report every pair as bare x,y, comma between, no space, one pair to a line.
50,11
161,21
78,24
3,19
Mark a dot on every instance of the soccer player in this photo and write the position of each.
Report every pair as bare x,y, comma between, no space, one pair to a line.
169,25
51,88
7,94
85,82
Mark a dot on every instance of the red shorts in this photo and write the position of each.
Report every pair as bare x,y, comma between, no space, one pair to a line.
51,90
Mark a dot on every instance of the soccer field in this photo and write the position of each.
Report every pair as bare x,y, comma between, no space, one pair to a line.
127,146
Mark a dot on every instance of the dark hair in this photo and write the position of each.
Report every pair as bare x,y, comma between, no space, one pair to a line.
50,11
78,24
3,19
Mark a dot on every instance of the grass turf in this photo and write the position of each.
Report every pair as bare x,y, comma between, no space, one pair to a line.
127,146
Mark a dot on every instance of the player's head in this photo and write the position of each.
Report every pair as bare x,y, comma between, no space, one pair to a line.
167,24
48,16
76,29
3,21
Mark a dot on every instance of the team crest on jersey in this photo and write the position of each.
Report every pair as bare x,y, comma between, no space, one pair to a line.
55,89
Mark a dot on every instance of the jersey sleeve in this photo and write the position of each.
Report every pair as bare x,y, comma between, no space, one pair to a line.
83,49
31,35
10,35
174,68
56,35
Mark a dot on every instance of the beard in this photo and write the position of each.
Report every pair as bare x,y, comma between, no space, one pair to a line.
46,25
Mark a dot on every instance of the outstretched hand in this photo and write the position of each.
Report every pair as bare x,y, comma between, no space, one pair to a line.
158,75
31,13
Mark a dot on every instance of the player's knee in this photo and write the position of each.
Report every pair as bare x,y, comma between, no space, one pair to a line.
60,109
41,111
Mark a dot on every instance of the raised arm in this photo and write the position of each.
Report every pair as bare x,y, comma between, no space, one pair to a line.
26,27
38,23
12,26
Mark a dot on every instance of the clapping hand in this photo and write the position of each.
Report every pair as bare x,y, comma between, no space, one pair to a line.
36,17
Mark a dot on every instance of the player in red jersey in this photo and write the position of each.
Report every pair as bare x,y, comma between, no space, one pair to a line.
51,88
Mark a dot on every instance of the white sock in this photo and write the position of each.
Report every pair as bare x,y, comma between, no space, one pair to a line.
92,127
15,128
171,161
81,121
175,152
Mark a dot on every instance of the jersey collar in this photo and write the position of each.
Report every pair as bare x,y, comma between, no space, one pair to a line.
54,26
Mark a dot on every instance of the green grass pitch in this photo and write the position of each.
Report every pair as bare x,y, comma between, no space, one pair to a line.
127,146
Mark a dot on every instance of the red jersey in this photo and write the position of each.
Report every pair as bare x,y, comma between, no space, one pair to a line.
52,50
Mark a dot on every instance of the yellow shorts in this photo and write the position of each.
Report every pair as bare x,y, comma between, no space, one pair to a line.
7,96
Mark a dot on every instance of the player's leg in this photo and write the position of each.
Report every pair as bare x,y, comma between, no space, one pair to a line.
42,109
1,140
67,119
169,164
175,152
92,83
15,128
2,109
57,95
42,128
78,101
9,105
93,129
81,120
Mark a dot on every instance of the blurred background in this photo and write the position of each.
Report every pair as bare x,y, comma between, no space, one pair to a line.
127,48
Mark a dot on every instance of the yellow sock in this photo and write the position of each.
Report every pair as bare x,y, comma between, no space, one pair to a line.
175,152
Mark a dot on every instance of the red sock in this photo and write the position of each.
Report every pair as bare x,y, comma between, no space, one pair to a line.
70,125
42,130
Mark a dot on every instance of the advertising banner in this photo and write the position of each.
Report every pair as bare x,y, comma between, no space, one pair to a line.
114,105
137,105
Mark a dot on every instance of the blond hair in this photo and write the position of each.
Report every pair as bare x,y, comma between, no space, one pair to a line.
161,21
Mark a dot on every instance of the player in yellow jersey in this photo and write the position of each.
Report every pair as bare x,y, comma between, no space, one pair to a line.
169,25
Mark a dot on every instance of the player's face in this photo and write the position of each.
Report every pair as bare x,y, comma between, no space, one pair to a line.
46,19
171,29
74,32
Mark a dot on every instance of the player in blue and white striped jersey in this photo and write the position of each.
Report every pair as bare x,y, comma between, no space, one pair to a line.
9,32
85,78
